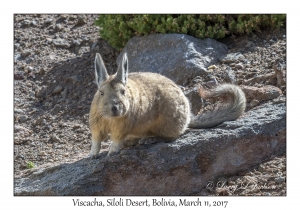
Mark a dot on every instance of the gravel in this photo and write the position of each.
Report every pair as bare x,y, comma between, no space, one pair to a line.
54,86
266,179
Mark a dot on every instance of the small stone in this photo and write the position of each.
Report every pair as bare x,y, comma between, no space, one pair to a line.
23,130
22,119
38,121
49,40
76,79
85,38
80,21
60,100
279,180
230,76
95,47
61,43
42,153
25,53
28,69
280,99
73,17
19,111
38,93
64,93
19,76
261,168
57,106
77,42
26,23
274,39
48,104
57,90
48,21
31,93
212,67
239,66
21,156
249,44
42,71
232,57
55,138
58,27
84,50
34,23
16,45
76,126
254,103
257,172
64,17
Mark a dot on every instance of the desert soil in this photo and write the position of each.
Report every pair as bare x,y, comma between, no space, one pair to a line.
54,86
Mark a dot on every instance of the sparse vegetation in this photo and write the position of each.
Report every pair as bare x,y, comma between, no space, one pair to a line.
118,29
30,165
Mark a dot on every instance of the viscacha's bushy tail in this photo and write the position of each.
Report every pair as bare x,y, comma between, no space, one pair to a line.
233,106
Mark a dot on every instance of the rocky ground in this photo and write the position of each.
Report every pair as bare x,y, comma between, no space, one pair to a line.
53,89
266,179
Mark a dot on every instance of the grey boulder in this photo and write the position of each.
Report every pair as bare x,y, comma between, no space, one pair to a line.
179,57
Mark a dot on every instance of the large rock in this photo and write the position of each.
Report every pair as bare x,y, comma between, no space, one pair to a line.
181,167
264,93
179,57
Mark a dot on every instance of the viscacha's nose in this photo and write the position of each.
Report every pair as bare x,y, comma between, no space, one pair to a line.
114,108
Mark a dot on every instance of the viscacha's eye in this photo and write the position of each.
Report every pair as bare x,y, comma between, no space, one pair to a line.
123,92
101,93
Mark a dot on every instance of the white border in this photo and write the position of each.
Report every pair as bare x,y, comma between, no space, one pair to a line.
154,6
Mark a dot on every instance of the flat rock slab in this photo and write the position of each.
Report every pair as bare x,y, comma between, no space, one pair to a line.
179,57
181,167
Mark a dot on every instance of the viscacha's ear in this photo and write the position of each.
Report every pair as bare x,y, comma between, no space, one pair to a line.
100,70
122,73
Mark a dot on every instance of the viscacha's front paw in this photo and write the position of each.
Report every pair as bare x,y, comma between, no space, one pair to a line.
92,156
114,148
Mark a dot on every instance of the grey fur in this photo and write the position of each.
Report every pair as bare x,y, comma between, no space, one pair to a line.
235,106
